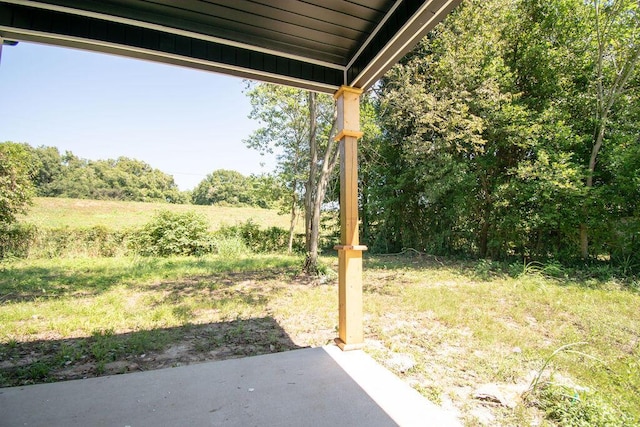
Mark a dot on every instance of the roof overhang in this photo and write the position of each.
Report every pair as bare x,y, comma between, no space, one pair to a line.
319,46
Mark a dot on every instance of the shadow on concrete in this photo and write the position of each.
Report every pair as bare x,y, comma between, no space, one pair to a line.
104,353
307,387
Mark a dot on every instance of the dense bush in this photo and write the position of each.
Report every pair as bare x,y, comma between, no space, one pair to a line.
26,240
271,239
15,239
166,234
96,241
173,233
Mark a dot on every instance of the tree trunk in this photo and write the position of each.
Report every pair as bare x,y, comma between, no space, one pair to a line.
484,239
329,163
292,224
584,241
313,166
584,232
321,182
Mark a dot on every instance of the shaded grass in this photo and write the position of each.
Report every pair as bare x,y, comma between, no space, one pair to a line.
108,352
43,279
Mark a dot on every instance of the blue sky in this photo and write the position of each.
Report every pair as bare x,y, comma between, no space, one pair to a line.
184,122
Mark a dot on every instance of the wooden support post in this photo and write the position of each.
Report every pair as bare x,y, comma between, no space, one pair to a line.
350,325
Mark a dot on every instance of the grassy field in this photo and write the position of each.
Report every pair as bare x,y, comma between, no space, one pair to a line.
452,330
80,213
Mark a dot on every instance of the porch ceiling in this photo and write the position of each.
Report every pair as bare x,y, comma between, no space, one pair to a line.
317,45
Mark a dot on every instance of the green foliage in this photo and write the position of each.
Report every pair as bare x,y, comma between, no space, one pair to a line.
96,241
486,269
487,129
230,246
80,238
551,269
257,239
230,188
104,348
268,191
35,372
67,175
16,189
24,240
172,233
16,239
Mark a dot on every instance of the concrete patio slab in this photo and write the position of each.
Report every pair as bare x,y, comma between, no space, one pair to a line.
308,387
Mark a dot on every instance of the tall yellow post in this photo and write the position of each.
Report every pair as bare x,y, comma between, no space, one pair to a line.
350,325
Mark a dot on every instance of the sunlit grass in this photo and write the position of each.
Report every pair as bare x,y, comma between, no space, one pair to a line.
497,330
73,297
56,212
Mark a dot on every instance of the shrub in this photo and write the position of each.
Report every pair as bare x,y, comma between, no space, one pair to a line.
16,239
173,233
272,239
96,241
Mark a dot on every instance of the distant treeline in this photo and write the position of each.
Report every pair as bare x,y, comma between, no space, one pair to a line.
66,175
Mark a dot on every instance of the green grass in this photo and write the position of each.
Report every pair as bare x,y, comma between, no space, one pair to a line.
80,213
471,330
69,312
463,327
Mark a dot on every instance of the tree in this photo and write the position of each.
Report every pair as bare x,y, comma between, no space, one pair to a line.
67,175
17,170
267,191
454,126
282,110
299,128
370,162
616,25
495,140
223,187
49,171
320,169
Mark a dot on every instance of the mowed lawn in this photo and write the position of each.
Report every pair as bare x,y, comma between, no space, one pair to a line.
448,328
49,212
